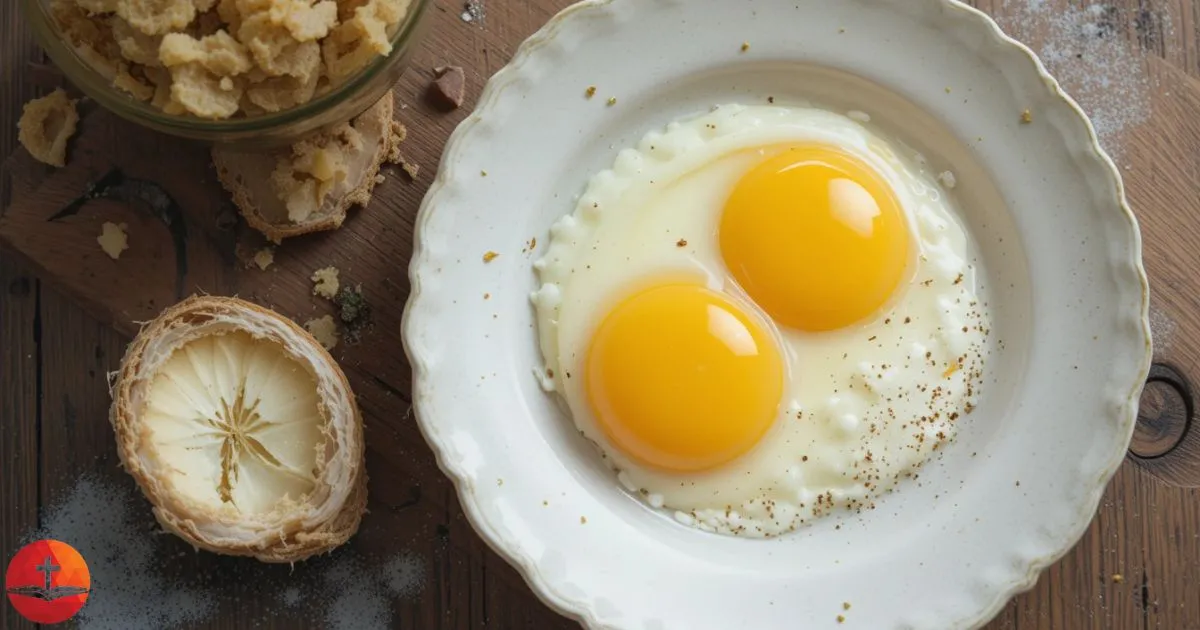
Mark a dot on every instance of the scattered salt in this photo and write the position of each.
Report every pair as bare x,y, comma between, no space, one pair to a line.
473,11
351,594
362,596
359,601
403,575
136,584
1082,49
1162,329
291,597
108,524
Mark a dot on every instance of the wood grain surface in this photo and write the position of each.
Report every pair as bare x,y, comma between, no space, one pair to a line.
66,311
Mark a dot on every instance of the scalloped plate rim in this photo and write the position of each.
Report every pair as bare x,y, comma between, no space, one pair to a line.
512,71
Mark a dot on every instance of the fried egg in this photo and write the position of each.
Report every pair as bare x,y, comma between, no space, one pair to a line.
762,316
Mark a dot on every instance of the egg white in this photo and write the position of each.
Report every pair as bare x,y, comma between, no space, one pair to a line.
863,408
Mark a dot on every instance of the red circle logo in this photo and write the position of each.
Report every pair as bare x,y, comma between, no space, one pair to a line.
47,581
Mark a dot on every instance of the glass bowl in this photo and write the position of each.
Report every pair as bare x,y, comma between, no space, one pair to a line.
338,105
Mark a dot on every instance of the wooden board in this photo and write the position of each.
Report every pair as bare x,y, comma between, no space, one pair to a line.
1146,529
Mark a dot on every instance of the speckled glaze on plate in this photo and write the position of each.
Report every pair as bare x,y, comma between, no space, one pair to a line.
1059,245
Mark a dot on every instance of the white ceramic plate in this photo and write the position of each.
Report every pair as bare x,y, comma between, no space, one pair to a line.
1011,495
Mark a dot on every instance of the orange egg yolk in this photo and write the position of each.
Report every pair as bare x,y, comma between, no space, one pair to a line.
816,238
681,378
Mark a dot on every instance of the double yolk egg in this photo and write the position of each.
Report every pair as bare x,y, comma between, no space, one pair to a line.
760,313
685,378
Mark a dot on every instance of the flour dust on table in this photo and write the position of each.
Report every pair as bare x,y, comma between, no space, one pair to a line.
1084,49
141,582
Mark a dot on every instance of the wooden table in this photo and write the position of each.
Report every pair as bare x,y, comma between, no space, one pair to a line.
66,313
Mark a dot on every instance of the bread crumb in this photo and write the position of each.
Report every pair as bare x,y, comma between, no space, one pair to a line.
310,185
1026,117
612,100
583,520
324,330
136,46
325,282
274,94
199,91
156,17
136,87
113,239
98,6
46,124
845,605
307,21
316,165
219,53
1117,578
745,46
489,256
841,618
590,92
264,257
273,50
397,133
355,42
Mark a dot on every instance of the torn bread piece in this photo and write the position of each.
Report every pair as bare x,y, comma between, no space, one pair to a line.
325,282
264,258
324,330
399,133
241,430
46,124
309,186
113,239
